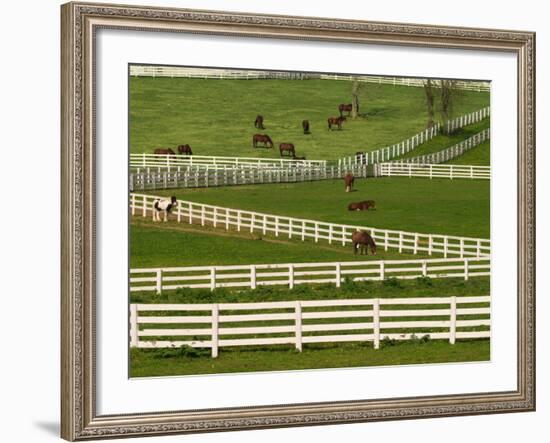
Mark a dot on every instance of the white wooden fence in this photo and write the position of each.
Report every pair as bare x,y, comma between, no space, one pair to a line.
389,152
198,177
298,323
176,71
291,274
227,218
465,120
217,162
452,152
393,169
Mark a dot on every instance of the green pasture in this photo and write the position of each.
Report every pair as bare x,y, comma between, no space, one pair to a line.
479,156
146,363
436,206
443,141
216,117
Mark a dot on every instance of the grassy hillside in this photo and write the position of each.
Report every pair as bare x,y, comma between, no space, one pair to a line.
480,156
216,117
438,206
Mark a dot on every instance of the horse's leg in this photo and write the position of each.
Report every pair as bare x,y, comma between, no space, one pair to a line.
165,215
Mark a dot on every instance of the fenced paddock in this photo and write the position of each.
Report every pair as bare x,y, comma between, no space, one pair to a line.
394,169
218,162
299,323
289,227
205,177
292,274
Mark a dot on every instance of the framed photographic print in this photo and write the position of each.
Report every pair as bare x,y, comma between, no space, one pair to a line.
284,221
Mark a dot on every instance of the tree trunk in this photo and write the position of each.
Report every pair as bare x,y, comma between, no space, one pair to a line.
430,98
355,99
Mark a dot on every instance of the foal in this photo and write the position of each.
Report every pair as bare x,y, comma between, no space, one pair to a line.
163,205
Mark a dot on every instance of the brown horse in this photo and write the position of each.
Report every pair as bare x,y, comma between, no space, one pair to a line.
262,138
348,180
305,126
362,206
345,108
287,148
185,150
335,121
362,240
164,151
259,122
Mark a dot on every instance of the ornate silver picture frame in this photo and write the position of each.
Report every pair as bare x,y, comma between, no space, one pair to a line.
80,23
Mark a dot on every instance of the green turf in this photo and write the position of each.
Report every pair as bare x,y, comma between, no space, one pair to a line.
183,245
479,156
442,142
144,363
437,206
216,117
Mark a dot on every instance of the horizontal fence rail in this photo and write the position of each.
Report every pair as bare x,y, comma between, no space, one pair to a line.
217,162
175,71
240,220
198,177
291,274
298,323
450,153
433,171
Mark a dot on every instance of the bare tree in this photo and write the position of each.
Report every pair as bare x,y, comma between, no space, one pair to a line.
355,88
429,90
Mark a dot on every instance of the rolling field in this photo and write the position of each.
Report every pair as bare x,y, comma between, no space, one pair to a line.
437,206
216,116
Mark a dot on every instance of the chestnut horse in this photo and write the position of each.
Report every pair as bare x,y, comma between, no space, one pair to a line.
362,206
335,121
185,150
259,122
164,151
305,126
348,180
345,108
362,240
262,138
287,148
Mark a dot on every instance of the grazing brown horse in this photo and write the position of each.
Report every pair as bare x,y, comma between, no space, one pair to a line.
185,150
362,206
305,126
287,148
164,151
362,240
262,138
259,122
335,121
348,180
345,108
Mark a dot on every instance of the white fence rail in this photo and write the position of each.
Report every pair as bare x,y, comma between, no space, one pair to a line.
433,171
452,152
218,162
402,241
176,71
298,323
197,177
292,274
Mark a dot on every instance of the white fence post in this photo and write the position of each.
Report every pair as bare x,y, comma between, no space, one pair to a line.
338,275
298,324
252,277
134,337
212,278
290,276
215,329
159,281
376,322
133,199
424,268
144,209
466,271
452,332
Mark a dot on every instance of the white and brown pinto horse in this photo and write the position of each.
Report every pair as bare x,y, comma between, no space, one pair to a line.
163,205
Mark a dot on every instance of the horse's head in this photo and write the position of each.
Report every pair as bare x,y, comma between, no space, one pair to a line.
173,200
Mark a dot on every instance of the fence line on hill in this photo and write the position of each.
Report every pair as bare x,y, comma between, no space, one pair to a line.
291,274
402,241
198,177
219,162
392,169
218,325
234,74
449,153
